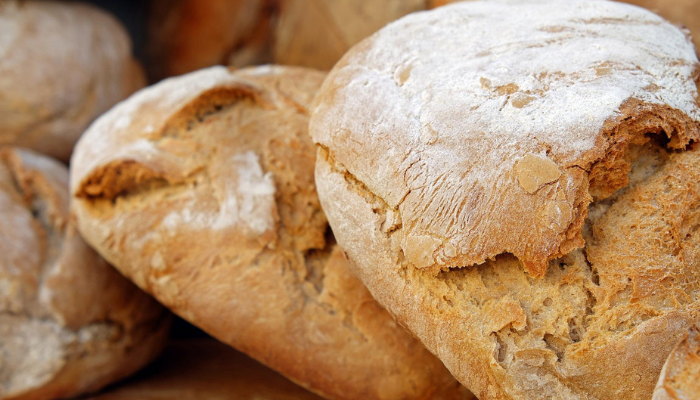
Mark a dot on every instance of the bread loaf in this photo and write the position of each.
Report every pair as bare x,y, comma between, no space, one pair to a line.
69,323
61,66
186,35
517,183
200,189
316,33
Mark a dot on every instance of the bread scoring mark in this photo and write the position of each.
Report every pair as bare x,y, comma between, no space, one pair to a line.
534,171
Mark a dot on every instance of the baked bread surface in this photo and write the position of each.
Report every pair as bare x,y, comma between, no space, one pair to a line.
61,65
679,377
200,189
516,183
69,323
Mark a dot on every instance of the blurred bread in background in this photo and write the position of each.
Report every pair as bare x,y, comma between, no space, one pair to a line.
186,35
204,369
69,323
62,64
316,33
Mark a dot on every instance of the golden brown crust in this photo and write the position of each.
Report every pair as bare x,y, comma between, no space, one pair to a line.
61,66
316,33
679,377
410,138
186,35
204,369
69,323
205,197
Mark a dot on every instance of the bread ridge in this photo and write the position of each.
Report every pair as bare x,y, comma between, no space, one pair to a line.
70,323
150,195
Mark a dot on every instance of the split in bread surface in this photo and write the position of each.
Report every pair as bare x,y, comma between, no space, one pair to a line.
200,189
517,184
61,66
69,323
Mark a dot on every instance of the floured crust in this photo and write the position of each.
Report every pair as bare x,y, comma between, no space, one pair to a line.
69,323
449,115
679,377
316,33
61,65
401,153
200,189
186,35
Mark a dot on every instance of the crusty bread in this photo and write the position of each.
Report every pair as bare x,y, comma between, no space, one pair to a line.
186,35
200,189
684,12
679,378
61,66
204,369
69,323
316,33
516,184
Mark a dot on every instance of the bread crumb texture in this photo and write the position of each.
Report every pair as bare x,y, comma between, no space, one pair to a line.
544,249
201,190
69,323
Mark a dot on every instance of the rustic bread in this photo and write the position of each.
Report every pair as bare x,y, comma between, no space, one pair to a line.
69,323
316,33
204,369
200,189
517,183
61,66
684,12
679,377
186,35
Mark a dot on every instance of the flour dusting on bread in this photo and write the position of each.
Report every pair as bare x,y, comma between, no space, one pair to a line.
453,100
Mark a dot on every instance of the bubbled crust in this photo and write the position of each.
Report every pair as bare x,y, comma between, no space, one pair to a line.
69,323
61,65
200,189
679,377
488,114
595,323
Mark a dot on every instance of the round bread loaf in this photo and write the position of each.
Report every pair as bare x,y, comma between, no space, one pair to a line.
69,323
679,377
518,184
61,66
186,35
201,190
